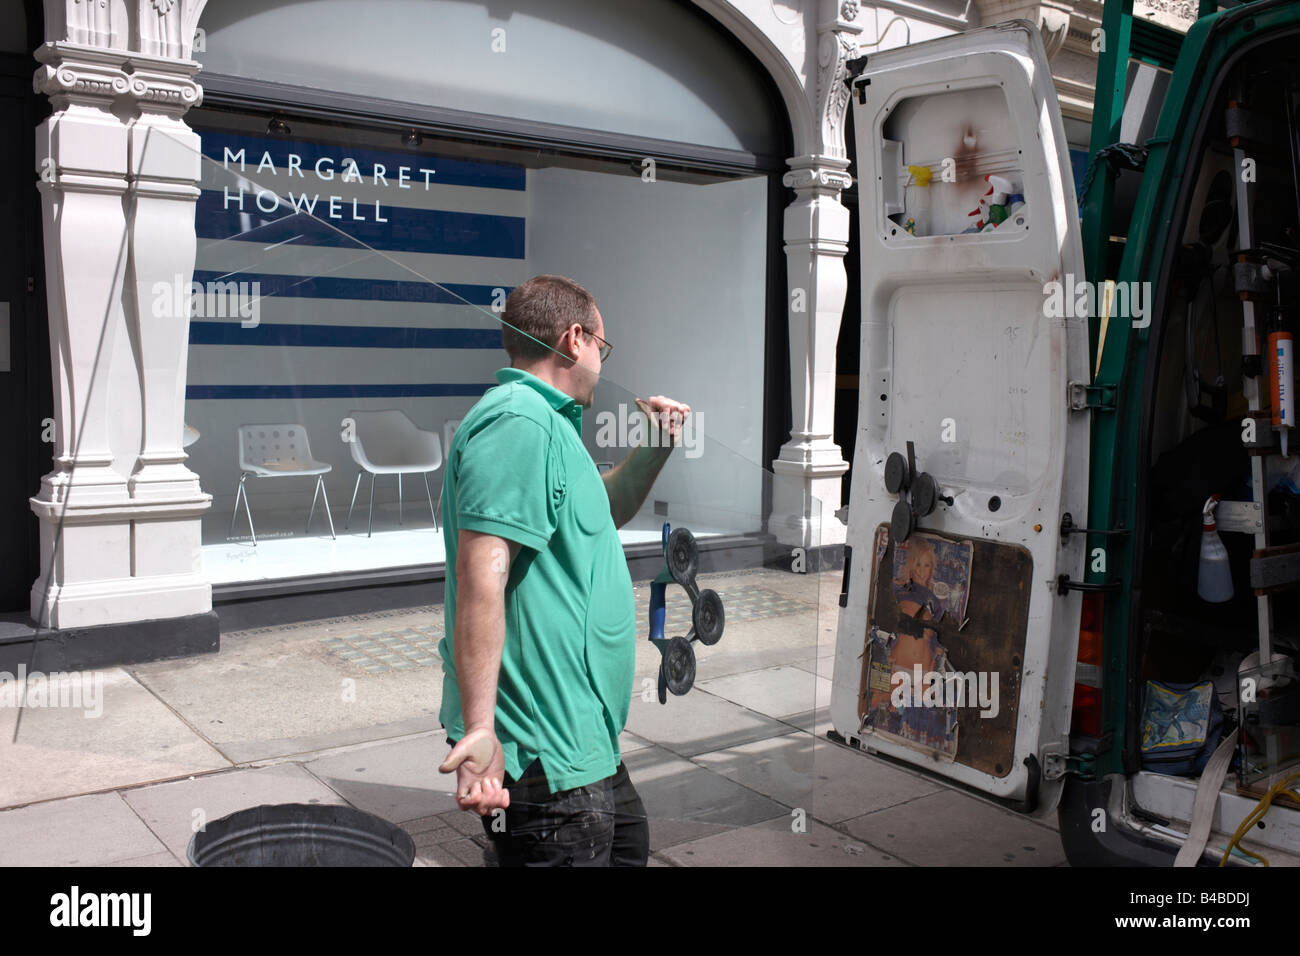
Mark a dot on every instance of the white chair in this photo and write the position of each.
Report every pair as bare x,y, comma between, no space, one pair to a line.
278,451
448,433
388,443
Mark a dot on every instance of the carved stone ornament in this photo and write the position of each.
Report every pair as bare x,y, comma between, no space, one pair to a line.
165,89
72,70
849,10
834,50
816,176
1175,14
1054,26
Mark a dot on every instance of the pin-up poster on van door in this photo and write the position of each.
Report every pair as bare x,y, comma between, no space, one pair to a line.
944,647
909,684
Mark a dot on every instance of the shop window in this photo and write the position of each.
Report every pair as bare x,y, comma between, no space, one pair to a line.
347,278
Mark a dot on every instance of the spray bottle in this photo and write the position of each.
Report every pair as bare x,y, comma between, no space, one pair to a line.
1214,577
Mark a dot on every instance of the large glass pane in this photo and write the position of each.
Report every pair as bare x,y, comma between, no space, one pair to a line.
370,274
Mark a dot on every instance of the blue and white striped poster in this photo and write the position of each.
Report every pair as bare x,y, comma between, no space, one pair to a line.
364,278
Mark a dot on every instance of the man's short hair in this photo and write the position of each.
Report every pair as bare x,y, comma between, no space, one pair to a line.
538,311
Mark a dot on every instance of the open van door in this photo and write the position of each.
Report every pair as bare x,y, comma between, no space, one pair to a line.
958,635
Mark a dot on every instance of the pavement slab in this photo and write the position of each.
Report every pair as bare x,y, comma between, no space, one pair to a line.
665,833
96,830
154,859
289,692
831,782
777,843
439,856
466,852
949,828
127,737
675,789
788,693
698,723
398,781
821,666
175,810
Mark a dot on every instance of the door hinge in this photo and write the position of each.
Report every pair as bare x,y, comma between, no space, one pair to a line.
1057,762
854,67
1092,397
1064,585
1068,527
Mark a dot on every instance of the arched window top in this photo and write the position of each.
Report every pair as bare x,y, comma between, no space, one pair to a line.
645,68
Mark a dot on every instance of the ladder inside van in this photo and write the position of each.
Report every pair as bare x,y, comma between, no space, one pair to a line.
1123,38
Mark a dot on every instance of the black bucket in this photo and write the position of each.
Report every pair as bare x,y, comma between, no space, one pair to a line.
301,834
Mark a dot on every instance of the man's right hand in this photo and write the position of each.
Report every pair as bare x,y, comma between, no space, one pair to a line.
480,765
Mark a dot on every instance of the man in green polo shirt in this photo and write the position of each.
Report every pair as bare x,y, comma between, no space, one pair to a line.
540,642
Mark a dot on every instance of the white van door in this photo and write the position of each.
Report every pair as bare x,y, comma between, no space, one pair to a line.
957,639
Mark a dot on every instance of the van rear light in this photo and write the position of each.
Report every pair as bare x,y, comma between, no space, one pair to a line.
1086,715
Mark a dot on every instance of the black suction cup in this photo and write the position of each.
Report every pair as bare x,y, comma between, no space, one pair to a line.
925,494
902,522
683,557
709,617
896,473
678,666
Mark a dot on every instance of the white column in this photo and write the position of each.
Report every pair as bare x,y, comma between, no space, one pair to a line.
120,512
816,240
165,167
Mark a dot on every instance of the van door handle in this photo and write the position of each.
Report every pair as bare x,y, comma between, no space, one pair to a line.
844,581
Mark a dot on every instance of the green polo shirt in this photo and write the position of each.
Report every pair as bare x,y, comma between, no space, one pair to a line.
517,468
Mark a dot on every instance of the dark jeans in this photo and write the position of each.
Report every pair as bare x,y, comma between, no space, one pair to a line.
601,824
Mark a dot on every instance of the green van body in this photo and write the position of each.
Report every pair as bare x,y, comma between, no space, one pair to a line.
1119,431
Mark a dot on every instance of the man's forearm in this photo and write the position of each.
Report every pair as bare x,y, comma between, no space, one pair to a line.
628,484
477,644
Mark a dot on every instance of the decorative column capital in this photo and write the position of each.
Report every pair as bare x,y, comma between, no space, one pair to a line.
77,73
819,174
164,85
73,73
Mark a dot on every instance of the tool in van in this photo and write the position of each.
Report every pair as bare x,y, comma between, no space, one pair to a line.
1281,364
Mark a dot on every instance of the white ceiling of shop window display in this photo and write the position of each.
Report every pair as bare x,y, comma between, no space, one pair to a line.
651,68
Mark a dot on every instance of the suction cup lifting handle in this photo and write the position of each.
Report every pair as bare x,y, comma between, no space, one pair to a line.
657,610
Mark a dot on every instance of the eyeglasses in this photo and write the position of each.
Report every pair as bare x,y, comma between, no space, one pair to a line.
605,347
